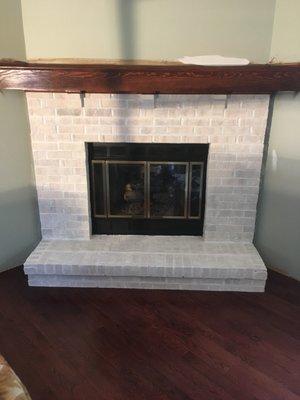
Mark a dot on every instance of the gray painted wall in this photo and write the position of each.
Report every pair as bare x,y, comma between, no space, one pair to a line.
19,223
147,29
278,222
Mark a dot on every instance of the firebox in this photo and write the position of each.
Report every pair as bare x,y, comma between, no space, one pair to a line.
149,189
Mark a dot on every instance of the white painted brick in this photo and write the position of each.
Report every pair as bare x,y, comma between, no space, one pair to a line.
139,121
113,103
181,130
128,112
38,95
38,111
197,122
91,120
97,112
155,130
167,139
167,122
137,138
60,127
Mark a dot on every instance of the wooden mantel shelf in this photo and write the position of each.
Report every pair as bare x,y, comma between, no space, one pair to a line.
148,78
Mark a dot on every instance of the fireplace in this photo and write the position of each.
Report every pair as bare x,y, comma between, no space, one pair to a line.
147,188
128,164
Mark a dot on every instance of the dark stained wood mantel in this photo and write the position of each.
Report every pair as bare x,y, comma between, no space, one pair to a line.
167,78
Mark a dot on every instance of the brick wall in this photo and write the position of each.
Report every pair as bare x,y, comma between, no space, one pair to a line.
60,128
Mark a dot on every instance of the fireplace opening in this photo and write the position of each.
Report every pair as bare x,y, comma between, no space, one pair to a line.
149,189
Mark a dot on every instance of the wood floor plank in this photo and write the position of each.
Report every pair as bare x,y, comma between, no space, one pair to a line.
246,340
110,344
217,344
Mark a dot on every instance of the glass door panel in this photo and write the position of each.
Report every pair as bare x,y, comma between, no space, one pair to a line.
98,176
195,191
126,188
168,189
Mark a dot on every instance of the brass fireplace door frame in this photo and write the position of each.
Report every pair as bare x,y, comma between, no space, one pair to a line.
146,164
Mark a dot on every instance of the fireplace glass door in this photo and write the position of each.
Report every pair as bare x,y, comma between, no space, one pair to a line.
140,189
147,189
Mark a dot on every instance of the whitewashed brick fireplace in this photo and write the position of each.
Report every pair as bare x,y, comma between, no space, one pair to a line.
234,127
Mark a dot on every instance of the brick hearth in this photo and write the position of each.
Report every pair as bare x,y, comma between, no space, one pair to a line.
161,262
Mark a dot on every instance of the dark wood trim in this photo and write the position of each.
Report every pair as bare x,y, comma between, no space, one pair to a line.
149,79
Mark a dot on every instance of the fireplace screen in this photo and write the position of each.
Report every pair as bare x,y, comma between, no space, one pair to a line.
146,196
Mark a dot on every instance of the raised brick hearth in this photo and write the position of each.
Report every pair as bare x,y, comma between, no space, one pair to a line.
177,262
60,128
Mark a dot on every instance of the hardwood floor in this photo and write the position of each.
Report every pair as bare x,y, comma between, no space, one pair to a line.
88,344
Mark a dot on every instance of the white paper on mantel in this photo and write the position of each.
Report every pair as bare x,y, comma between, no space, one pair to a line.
213,60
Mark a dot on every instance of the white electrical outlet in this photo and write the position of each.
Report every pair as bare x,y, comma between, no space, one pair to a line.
274,160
